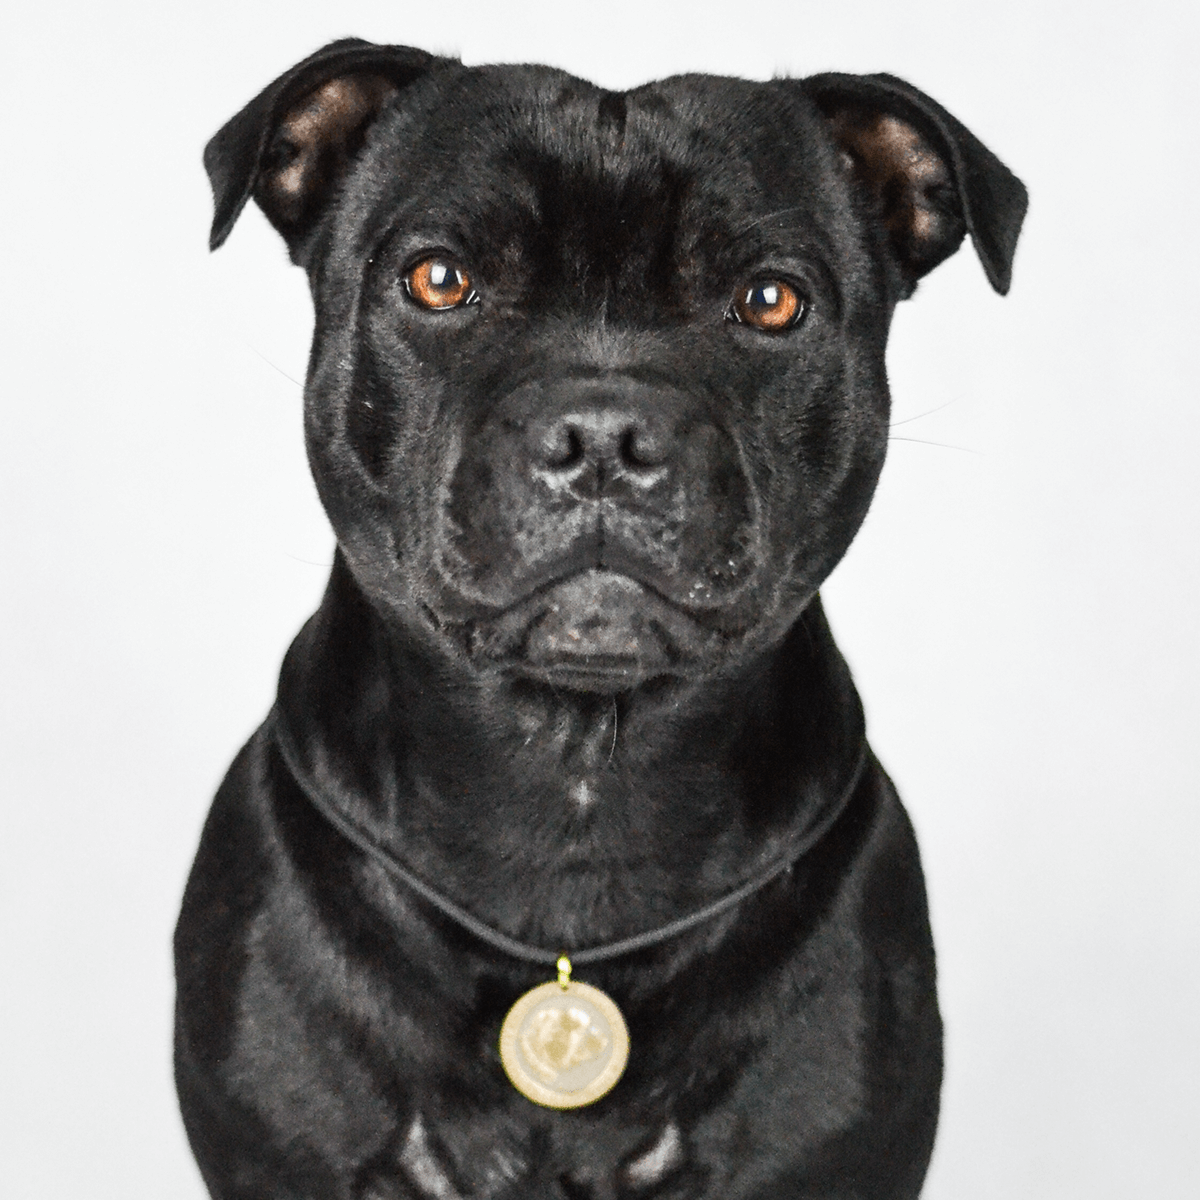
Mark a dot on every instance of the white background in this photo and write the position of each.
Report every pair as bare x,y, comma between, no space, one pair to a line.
1021,609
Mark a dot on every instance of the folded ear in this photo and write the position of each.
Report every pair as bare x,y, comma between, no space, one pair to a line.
291,145
931,178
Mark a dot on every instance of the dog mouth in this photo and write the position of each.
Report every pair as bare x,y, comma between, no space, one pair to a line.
596,630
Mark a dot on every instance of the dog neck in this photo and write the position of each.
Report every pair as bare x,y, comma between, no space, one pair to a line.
566,817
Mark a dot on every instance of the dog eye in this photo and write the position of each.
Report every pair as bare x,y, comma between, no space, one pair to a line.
767,304
440,283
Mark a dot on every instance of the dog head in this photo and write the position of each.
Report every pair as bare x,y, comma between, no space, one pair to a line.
597,387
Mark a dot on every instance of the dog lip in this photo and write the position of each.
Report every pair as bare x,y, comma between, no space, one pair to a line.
688,608
590,675
562,578
716,607
593,626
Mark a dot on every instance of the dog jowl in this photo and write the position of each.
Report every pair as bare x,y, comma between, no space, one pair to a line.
596,401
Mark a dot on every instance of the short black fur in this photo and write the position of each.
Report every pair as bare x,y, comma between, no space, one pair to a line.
571,667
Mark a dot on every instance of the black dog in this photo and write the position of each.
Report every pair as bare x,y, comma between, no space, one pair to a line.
596,402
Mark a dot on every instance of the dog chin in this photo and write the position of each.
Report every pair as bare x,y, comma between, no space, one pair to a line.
597,631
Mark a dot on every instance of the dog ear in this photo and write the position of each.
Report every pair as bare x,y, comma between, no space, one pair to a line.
292,144
933,180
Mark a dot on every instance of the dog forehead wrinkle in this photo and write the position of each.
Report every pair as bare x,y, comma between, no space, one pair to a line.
562,116
605,347
665,194
751,144
612,111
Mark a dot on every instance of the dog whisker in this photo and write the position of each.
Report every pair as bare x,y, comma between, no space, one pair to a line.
274,366
941,445
771,216
927,413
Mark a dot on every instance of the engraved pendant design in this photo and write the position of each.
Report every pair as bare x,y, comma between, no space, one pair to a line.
564,1044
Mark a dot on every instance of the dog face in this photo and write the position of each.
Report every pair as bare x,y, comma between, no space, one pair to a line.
589,335
597,388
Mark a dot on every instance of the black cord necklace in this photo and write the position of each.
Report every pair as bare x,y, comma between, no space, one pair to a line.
564,1043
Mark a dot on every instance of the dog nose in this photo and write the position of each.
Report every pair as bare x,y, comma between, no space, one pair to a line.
589,450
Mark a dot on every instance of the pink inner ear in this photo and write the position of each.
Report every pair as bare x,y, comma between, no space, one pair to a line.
906,174
319,136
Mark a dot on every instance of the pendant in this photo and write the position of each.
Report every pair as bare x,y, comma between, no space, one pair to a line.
564,1044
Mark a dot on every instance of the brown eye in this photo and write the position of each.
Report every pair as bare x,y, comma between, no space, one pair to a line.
767,304
439,283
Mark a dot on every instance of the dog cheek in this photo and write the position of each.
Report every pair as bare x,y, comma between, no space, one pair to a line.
373,425
830,448
362,414
362,511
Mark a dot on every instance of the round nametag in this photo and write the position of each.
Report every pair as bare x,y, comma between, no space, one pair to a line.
564,1047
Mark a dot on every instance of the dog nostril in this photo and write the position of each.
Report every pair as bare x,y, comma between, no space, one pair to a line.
639,451
563,449
602,446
